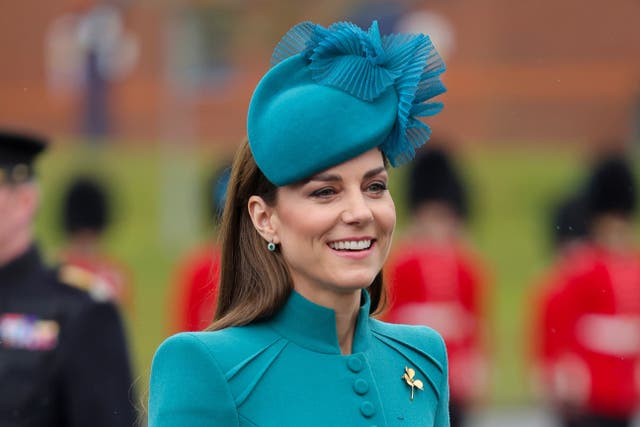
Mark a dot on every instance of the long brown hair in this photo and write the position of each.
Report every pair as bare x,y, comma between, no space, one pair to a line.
254,283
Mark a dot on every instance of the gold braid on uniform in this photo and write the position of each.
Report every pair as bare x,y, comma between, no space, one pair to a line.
85,280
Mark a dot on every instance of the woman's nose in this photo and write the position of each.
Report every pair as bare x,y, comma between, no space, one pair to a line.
357,209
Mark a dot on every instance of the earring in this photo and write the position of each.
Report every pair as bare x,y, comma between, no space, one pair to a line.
271,246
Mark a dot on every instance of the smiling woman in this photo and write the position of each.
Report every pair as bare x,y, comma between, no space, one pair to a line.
334,230
306,229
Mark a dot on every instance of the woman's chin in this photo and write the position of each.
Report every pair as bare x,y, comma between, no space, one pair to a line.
356,283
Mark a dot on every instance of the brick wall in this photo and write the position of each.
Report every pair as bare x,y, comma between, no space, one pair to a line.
520,71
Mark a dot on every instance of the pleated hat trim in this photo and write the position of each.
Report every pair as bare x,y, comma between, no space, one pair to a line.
365,65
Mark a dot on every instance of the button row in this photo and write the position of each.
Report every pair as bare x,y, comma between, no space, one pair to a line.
361,386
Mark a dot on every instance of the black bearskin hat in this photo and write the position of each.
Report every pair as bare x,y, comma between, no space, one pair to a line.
570,220
85,206
434,178
611,188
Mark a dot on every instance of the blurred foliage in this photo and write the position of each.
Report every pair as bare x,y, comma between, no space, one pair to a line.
512,191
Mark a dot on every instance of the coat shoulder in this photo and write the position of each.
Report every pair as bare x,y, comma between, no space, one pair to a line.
183,363
214,366
421,340
230,348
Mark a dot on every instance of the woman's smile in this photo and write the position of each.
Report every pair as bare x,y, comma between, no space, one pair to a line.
355,248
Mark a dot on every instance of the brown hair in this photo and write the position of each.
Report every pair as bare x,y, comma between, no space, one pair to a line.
254,283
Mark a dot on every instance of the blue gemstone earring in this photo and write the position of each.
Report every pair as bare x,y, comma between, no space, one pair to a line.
271,246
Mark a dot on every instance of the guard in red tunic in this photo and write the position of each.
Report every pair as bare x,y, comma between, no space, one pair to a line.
194,293
570,246
436,280
592,339
86,216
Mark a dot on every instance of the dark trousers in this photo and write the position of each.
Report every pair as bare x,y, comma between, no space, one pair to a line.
457,413
593,420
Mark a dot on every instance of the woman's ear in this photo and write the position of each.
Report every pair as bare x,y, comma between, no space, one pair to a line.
261,215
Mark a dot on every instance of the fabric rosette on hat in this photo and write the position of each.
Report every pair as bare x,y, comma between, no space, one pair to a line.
334,93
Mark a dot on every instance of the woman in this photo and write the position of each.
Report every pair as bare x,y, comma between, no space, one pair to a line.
307,226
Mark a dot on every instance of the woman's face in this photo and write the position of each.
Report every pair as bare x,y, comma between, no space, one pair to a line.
335,229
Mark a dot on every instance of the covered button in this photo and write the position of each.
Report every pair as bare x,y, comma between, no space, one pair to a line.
367,409
361,386
355,364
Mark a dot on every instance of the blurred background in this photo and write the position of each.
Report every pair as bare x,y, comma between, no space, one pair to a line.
151,97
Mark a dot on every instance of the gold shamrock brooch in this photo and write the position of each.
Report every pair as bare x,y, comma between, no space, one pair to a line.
411,382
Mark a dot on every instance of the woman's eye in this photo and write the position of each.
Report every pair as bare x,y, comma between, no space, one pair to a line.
324,192
377,187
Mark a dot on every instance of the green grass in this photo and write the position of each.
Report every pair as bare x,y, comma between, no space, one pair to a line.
159,215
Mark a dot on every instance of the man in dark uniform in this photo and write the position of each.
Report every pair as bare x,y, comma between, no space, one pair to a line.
63,358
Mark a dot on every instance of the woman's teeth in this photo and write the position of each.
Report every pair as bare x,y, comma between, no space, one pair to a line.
354,245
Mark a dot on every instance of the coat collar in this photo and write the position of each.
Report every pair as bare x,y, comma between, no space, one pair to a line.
14,270
313,327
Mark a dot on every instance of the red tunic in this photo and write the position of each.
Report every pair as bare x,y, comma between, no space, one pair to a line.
590,332
194,295
442,287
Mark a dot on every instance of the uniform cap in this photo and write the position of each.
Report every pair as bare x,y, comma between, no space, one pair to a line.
18,152
335,93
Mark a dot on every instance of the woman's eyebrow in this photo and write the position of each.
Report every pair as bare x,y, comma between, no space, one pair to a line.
374,172
326,177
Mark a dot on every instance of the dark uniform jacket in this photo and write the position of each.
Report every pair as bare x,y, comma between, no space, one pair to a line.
63,358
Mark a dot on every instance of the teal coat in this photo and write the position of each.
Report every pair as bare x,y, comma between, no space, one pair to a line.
288,371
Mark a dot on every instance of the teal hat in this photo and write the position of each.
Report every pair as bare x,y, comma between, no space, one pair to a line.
335,93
